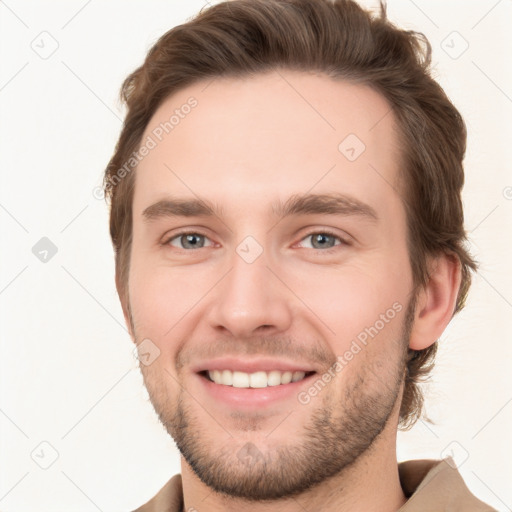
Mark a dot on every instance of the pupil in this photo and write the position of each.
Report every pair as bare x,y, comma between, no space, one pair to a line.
321,238
190,240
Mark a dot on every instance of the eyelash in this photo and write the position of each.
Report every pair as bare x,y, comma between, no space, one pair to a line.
321,232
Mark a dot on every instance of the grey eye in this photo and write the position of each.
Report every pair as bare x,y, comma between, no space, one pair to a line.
189,241
320,240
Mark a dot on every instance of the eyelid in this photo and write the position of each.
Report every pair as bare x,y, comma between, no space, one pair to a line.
167,239
345,240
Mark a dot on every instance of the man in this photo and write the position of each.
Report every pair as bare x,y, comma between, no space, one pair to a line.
288,228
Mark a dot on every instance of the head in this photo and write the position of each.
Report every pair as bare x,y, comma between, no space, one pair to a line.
274,100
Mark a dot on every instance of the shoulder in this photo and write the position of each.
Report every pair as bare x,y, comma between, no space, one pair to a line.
168,499
432,484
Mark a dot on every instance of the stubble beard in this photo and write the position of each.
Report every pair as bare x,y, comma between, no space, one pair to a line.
333,439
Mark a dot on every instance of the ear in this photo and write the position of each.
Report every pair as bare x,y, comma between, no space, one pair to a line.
125,305
436,301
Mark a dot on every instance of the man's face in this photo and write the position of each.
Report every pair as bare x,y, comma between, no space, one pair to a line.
249,290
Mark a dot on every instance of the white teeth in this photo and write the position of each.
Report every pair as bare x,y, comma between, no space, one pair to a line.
297,376
286,378
254,380
258,380
227,377
240,380
274,378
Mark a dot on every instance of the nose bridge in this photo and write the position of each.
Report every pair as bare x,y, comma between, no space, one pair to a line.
250,296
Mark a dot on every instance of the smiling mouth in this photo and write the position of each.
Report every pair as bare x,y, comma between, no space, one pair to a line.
260,379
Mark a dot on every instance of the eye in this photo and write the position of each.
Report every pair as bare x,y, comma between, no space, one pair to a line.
324,240
187,240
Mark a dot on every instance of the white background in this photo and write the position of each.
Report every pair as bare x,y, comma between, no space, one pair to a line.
67,373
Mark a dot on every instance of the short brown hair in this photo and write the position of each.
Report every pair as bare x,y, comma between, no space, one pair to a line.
341,40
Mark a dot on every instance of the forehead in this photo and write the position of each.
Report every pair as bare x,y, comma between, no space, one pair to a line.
267,137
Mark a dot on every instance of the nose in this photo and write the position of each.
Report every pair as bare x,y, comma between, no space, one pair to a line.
250,300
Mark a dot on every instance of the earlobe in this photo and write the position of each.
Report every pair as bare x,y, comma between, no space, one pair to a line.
436,302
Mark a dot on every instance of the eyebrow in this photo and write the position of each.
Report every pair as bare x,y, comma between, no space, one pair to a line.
306,204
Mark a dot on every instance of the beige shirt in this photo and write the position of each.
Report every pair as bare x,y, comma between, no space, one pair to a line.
429,485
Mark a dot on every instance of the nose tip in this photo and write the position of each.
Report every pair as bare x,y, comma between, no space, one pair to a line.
250,300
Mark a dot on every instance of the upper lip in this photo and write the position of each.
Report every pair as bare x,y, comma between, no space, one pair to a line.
252,365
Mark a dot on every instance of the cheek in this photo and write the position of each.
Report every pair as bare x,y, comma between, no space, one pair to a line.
357,302
162,298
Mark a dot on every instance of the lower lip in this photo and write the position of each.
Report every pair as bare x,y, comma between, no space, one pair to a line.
252,398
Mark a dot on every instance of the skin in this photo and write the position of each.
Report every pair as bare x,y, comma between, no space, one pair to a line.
248,143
